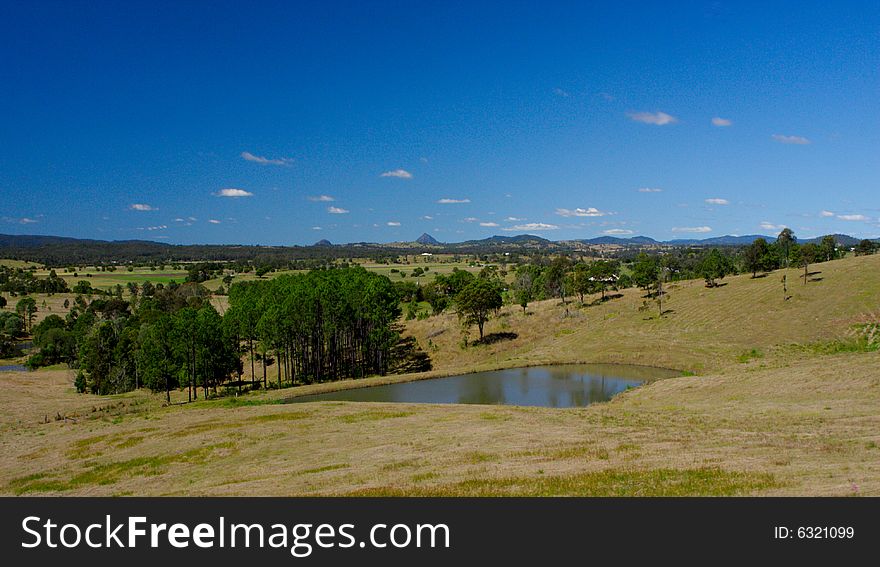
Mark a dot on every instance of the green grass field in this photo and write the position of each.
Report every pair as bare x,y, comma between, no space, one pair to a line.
784,400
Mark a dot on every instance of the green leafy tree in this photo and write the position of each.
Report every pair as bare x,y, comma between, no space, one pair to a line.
715,266
556,277
786,239
828,248
27,310
865,248
807,254
646,271
155,355
755,256
604,274
580,280
477,301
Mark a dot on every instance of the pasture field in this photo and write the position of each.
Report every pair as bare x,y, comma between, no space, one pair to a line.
107,280
780,398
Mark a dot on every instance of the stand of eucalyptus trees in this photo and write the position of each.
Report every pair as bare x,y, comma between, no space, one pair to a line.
319,326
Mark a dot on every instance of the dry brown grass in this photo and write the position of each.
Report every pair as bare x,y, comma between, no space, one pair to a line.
786,421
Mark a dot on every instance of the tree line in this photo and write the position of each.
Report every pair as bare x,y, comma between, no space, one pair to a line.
317,326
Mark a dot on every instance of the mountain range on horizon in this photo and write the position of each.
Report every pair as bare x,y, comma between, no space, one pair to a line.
428,241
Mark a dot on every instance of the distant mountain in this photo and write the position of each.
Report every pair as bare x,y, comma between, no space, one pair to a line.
727,240
427,240
841,239
323,242
498,240
635,240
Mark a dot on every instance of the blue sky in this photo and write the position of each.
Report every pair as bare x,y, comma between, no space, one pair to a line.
284,123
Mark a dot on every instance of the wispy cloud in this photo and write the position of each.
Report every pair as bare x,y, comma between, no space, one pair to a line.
213,221
559,92
853,217
235,193
588,212
266,161
617,232
427,217
650,190
152,228
317,228
656,118
337,211
447,201
27,220
399,173
717,201
826,214
532,226
770,226
392,223
470,219
489,224
142,207
515,219
321,198
721,122
797,140
695,229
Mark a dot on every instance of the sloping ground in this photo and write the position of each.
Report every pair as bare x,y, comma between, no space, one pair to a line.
787,420
703,329
808,428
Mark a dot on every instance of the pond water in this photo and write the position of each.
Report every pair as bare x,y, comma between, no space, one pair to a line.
558,386
13,368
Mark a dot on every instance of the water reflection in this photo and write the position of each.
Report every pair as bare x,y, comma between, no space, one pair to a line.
557,386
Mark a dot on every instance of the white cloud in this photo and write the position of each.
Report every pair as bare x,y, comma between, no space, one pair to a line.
798,140
532,226
717,201
427,217
321,198
826,214
26,220
266,161
392,223
234,193
617,232
650,190
152,228
696,229
399,173
589,212
853,217
770,226
317,228
514,219
656,118
178,219
214,221
470,219
447,201
337,210
193,219
721,122
488,224
559,92
142,207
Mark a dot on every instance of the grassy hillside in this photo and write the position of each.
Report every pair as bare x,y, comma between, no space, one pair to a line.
770,412
703,329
